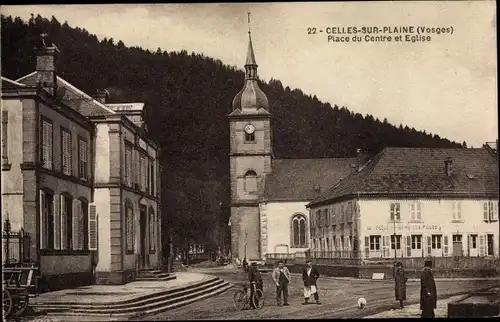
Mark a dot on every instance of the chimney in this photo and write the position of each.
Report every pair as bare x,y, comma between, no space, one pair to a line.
447,166
317,190
362,158
46,58
102,96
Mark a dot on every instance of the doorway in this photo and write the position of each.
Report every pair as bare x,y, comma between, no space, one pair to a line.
143,223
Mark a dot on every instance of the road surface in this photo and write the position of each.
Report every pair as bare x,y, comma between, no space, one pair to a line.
338,297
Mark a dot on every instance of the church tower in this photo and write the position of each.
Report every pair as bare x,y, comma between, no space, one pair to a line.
250,160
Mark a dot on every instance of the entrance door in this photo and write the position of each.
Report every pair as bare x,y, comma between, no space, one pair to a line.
457,245
143,239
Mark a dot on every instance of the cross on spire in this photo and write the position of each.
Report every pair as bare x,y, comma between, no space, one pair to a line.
248,22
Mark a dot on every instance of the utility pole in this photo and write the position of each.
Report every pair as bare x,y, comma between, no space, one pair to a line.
246,235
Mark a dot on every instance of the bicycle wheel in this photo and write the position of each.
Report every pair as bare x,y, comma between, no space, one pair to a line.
239,300
20,306
258,299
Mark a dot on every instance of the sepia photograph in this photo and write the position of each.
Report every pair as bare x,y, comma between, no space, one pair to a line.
260,160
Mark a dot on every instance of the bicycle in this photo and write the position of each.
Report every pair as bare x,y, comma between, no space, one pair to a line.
241,300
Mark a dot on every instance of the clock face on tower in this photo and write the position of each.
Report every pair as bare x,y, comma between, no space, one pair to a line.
249,129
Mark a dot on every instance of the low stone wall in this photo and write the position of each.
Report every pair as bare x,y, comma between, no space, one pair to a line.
366,272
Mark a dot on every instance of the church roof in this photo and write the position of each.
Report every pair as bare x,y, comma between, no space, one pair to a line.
299,179
421,172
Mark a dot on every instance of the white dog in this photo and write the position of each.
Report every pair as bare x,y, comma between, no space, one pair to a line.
361,303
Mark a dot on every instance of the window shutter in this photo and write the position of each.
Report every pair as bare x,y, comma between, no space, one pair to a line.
494,214
63,221
486,216
408,246
419,211
367,246
481,245
327,217
445,248
429,245
93,228
49,145
57,224
80,226
459,210
312,220
76,215
42,219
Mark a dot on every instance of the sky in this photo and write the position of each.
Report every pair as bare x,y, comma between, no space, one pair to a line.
446,86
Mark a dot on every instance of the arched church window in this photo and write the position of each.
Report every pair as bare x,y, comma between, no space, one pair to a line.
298,233
250,181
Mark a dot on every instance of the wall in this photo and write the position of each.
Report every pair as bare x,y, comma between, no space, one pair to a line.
102,161
275,222
262,143
102,200
12,181
245,219
436,218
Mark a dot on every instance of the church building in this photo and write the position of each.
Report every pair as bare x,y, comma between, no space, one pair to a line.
269,195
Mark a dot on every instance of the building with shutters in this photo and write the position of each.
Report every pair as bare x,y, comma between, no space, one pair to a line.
413,202
87,176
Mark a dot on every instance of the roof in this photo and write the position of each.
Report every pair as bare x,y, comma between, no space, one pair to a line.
421,171
11,84
296,179
72,96
120,107
250,54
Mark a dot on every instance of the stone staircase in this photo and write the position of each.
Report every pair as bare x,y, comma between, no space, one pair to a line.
154,275
140,306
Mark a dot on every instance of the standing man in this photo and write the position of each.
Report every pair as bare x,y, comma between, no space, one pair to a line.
400,280
281,277
310,276
254,276
428,294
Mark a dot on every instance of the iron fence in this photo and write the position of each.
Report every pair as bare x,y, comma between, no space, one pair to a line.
15,247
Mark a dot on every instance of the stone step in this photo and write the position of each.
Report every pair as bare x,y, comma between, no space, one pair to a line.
153,308
167,277
137,305
128,302
151,272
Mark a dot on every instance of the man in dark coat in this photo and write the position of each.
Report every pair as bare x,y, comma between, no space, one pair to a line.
428,294
310,276
254,276
400,280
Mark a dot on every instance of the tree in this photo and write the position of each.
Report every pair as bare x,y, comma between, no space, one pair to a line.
464,144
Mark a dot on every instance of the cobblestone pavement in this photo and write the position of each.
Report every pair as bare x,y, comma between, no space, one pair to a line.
338,297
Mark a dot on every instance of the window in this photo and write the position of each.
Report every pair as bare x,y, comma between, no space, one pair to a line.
395,241
66,152
142,172
395,211
299,231
489,246
250,181
457,238
456,210
5,133
349,211
152,178
473,241
490,211
416,241
66,204
82,159
250,137
129,226
342,213
152,230
128,165
374,242
332,216
416,211
327,217
327,243
47,141
47,228
436,241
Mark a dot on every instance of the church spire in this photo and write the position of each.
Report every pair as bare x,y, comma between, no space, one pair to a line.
250,54
251,98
